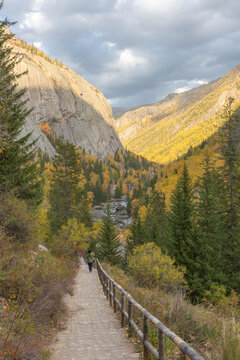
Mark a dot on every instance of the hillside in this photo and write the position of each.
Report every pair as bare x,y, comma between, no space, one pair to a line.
65,103
169,173
165,131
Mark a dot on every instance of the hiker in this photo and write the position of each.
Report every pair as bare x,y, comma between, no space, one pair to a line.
90,259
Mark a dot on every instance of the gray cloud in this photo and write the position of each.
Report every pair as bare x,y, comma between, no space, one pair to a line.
135,51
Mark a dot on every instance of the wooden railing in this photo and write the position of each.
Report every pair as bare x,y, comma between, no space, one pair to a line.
119,298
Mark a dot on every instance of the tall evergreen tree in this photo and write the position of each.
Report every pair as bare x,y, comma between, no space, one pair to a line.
99,195
229,189
182,224
67,196
209,233
137,235
18,170
118,191
109,243
156,223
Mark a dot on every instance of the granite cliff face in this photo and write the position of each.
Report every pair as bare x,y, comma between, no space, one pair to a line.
72,108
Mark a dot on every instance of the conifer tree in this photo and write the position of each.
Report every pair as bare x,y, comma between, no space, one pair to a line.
156,223
209,233
18,170
229,189
181,223
118,191
99,195
137,235
67,196
108,241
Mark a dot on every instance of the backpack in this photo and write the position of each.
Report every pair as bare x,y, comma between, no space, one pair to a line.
90,258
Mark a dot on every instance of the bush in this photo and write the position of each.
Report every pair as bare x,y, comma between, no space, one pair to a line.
71,237
18,221
32,284
151,268
225,305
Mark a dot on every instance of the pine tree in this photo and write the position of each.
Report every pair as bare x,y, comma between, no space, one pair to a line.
137,235
99,195
118,191
181,224
67,197
109,244
156,223
229,189
18,170
209,233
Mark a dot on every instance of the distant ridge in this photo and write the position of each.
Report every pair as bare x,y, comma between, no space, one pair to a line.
165,131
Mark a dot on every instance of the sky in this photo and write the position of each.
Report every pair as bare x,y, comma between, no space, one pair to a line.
135,51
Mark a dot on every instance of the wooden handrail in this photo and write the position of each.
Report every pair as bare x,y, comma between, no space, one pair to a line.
109,288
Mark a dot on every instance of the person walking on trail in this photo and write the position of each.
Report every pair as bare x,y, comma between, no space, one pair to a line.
90,259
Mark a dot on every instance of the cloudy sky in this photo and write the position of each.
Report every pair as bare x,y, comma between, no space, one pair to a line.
134,51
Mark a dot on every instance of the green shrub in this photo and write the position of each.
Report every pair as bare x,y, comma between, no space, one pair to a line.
150,267
216,294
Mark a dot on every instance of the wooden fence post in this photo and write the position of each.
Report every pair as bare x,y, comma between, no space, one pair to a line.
114,297
145,337
107,287
104,284
110,296
122,317
129,317
161,345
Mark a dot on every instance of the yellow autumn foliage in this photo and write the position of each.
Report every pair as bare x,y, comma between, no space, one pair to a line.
169,139
142,212
90,197
72,237
151,268
106,180
124,188
93,178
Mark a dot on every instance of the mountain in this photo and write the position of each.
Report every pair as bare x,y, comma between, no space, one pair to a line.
118,111
64,104
165,131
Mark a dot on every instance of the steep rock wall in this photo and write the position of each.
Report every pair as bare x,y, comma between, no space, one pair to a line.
74,109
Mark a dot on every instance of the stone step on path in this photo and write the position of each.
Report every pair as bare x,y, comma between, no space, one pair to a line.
93,331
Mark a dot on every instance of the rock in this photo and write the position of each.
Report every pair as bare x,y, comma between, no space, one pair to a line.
74,109
42,248
119,212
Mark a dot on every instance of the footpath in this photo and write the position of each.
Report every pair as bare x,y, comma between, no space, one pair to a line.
93,331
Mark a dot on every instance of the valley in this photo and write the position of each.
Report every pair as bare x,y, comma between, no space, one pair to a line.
166,224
